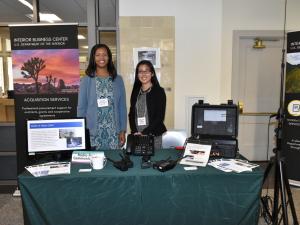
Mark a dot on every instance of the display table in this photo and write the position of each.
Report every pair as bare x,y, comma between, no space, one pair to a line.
142,196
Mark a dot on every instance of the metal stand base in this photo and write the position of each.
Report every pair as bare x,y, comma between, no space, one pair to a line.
281,187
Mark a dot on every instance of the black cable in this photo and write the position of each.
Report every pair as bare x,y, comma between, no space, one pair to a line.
267,200
284,24
268,145
280,185
281,104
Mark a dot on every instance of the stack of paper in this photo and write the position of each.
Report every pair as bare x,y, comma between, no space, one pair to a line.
50,168
232,165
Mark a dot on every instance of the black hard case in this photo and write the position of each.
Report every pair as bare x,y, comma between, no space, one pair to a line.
224,142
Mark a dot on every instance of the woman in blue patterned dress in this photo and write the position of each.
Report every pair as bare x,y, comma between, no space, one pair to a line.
102,101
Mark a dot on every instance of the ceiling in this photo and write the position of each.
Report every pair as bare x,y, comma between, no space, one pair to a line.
12,11
70,11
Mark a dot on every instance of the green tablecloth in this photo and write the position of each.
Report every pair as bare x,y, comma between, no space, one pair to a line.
142,196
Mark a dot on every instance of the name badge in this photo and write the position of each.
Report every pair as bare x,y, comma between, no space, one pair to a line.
102,102
141,121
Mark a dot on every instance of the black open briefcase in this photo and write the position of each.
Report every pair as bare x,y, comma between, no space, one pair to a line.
216,125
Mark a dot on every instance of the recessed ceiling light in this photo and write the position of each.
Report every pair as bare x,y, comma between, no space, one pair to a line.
47,17
85,46
26,3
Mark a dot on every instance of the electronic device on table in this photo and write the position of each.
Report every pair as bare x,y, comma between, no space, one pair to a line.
124,164
140,145
216,125
55,136
166,164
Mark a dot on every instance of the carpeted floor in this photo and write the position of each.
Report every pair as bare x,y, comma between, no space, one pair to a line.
11,212
11,208
296,199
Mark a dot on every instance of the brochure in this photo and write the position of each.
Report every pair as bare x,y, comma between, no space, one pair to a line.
232,165
50,168
196,154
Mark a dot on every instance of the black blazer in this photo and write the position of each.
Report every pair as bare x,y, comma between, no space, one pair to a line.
156,106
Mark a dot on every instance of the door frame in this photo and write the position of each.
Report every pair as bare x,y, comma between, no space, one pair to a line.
238,37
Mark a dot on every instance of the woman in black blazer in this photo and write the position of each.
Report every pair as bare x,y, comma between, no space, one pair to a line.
147,104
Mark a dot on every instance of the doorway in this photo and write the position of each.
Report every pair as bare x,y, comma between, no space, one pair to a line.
256,86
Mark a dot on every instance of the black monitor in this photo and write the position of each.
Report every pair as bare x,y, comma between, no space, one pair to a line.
56,135
215,121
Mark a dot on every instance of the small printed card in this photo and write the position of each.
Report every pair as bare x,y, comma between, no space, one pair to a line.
85,156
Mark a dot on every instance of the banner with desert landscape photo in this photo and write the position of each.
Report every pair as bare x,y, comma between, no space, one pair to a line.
291,127
46,76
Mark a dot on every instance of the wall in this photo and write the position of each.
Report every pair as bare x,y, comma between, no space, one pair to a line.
203,40
257,15
151,32
197,46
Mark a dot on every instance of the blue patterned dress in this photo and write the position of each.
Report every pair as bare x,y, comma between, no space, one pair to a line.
106,137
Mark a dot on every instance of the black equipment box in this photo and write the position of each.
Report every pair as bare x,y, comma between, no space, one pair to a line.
221,148
140,145
216,125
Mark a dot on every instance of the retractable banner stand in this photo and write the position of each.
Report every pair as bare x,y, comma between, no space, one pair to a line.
291,126
46,76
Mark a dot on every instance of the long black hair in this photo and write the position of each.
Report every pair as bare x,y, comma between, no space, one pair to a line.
91,69
137,83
